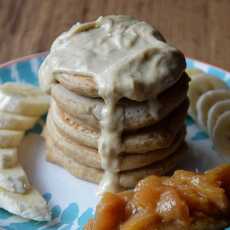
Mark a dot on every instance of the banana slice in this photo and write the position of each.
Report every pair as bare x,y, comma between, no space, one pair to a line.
20,108
30,205
8,158
221,133
206,101
14,180
215,111
10,138
23,99
16,122
200,84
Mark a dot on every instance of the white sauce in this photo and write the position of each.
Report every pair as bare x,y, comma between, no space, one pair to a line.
127,58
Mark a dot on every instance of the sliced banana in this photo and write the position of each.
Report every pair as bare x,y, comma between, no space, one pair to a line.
20,108
16,122
221,133
215,111
8,158
10,138
201,83
30,205
23,99
206,101
14,180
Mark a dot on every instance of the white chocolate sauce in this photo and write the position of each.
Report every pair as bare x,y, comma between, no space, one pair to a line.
127,58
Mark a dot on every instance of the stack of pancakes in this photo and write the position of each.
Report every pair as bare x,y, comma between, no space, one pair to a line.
150,145
119,101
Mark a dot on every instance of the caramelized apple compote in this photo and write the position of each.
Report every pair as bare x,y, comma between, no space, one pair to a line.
187,200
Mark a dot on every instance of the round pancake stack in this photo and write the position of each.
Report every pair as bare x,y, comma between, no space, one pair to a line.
150,146
152,139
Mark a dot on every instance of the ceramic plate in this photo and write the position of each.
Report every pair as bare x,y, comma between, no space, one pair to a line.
72,201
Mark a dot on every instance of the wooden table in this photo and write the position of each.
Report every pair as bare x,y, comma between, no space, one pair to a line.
200,28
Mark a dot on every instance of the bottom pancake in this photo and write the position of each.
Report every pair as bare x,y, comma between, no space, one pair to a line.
128,179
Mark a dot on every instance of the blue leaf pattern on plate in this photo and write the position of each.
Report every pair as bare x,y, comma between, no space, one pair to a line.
70,217
55,212
61,219
189,121
199,136
83,219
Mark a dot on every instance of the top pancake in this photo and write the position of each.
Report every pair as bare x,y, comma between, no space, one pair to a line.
117,53
82,85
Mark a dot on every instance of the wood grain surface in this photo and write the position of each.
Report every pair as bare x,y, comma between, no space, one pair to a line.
200,28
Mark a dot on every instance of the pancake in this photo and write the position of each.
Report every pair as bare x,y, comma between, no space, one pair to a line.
120,45
90,157
81,85
127,179
152,138
136,114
